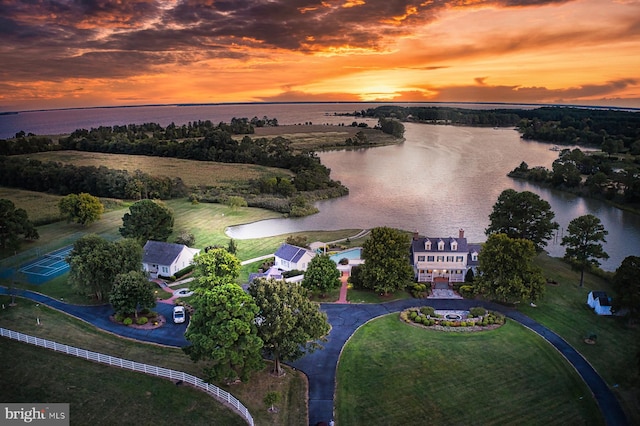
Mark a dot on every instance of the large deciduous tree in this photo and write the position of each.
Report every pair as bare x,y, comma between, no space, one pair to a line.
81,208
626,284
147,220
95,262
223,331
289,324
215,267
322,275
507,272
14,225
131,292
386,265
583,242
522,215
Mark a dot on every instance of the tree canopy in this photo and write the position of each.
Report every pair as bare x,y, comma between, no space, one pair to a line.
95,262
147,220
289,324
386,265
14,225
583,242
223,332
522,215
214,267
131,291
627,287
81,208
322,275
507,272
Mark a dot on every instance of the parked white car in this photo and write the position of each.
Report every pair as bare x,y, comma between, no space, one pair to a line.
179,314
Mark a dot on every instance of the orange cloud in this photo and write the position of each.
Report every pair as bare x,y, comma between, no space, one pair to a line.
153,51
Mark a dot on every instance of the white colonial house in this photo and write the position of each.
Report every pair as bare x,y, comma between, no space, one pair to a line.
165,259
600,302
443,259
289,257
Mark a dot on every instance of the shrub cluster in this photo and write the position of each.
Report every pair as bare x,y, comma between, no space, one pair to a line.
478,317
419,290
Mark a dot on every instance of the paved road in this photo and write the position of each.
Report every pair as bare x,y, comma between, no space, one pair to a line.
169,335
320,366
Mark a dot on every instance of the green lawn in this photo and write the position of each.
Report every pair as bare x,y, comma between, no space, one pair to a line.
58,382
392,373
102,395
564,310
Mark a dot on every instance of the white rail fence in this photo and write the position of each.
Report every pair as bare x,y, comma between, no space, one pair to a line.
219,394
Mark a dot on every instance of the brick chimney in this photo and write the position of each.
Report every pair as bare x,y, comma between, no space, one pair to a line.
461,233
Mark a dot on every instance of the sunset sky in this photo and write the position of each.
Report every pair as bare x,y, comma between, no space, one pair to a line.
82,53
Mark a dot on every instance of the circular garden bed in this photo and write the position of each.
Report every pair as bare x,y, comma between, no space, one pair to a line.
476,319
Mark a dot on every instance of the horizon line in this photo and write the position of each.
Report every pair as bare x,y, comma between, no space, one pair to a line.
195,104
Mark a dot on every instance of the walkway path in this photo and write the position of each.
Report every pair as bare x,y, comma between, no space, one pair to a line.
320,366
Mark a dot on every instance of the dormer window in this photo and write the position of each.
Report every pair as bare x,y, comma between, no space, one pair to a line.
440,245
427,245
474,256
454,245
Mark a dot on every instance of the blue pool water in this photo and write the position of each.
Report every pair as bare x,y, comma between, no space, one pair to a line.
351,254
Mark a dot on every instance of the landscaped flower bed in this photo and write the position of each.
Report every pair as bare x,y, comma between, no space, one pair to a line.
146,319
475,319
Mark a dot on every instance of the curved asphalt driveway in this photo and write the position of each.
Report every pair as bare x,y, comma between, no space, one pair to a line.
320,366
170,334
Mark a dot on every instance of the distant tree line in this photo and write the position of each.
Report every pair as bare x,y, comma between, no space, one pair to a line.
597,176
63,179
200,140
615,130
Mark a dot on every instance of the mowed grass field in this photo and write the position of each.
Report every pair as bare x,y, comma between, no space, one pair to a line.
316,137
135,397
564,310
192,173
392,373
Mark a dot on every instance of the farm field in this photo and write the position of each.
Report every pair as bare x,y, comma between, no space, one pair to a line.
192,173
316,137
504,376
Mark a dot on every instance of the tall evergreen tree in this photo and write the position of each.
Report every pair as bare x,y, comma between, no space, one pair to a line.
223,332
288,323
386,265
626,283
522,215
507,272
147,220
583,242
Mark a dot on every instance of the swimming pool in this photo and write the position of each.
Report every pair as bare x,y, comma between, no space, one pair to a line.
351,254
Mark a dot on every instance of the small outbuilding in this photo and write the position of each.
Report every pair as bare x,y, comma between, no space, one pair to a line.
600,302
165,259
290,257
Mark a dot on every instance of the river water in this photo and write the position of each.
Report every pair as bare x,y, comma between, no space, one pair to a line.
441,179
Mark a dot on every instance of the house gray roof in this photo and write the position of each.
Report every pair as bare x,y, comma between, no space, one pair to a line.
604,299
419,244
160,253
290,253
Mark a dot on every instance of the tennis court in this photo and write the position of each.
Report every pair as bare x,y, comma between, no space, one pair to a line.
47,267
